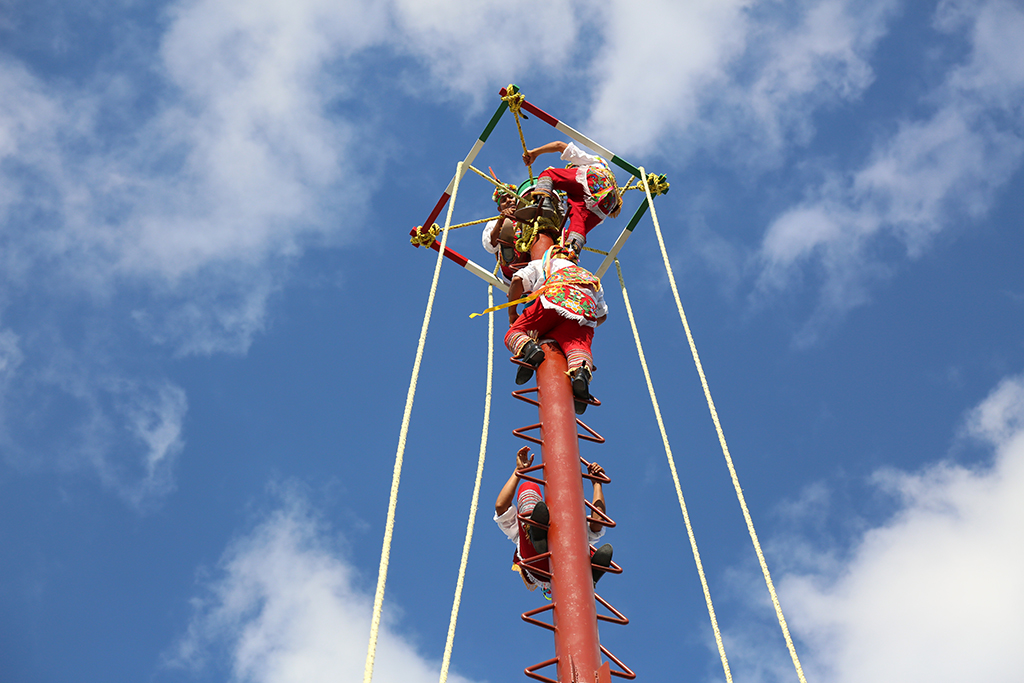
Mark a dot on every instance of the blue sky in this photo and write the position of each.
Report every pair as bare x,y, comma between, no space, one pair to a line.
209,311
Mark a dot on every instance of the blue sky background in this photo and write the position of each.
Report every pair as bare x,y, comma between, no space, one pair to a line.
209,311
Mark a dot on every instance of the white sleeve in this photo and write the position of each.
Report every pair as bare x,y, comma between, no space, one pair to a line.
602,306
574,155
487,237
532,275
509,523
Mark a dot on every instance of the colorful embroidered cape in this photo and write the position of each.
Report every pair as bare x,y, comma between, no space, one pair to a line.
571,290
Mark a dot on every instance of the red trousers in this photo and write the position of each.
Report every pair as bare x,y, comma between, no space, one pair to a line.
526,549
581,219
574,339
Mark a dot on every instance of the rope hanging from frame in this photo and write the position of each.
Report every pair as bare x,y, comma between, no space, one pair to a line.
389,527
721,439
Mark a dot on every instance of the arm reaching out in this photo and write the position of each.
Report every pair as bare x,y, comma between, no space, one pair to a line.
598,501
556,146
515,291
524,458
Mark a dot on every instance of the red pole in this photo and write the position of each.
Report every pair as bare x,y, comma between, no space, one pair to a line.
577,644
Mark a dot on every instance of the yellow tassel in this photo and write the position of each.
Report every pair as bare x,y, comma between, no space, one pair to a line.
510,303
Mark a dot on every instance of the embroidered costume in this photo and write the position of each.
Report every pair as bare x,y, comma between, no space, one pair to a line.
590,188
503,243
571,306
504,249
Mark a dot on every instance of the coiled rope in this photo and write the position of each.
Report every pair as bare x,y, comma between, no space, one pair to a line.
389,527
721,439
659,184
514,99
476,493
425,238
675,478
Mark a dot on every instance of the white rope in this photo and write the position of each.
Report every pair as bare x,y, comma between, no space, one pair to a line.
382,573
476,493
721,439
675,478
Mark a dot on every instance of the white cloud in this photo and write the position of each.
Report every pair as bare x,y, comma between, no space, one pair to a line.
183,176
214,189
469,47
931,175
11,357
739,75
650,77
283,608
933,594
999,420
249,109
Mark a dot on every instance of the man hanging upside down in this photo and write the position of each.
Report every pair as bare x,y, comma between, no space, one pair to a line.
571,306
589,185
532,540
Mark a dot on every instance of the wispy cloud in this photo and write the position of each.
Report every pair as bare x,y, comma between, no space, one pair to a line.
283,606
11,357
154,419
127,430
931,594
932,174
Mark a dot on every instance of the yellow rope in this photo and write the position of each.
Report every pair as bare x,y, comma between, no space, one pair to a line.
721,440
659,184
476,494
515,100
378,600
478,221
675,477
527,236
426,238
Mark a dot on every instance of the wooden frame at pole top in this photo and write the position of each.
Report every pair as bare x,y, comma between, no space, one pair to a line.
571,132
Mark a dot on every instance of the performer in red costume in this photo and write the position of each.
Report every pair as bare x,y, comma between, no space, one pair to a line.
571,306
588,183
530,539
